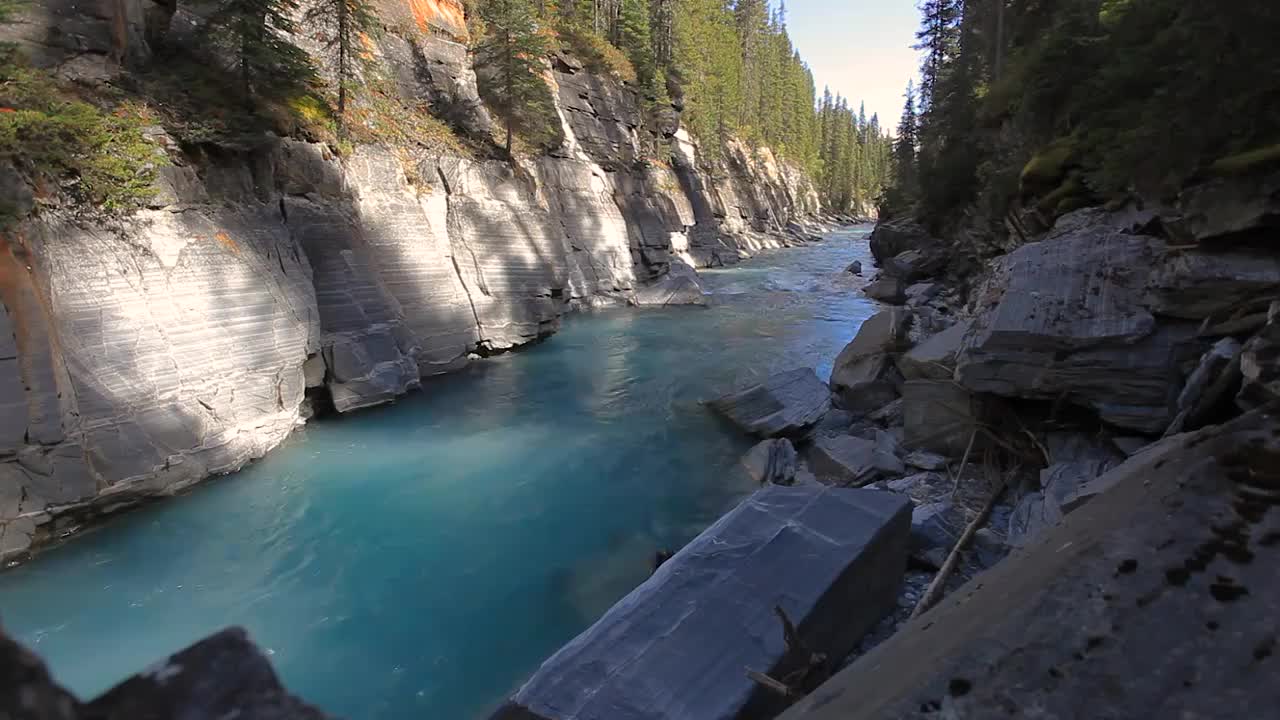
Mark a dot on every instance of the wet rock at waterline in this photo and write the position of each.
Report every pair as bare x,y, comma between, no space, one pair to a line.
889,290
864,377
677,647
855,268
786,404
772,462
222,676
680,286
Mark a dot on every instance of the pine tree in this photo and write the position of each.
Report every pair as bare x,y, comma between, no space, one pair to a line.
344,22
512,48
904,149
255,33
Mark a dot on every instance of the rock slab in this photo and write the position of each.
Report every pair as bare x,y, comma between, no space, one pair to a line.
785,404
1158,599
676,647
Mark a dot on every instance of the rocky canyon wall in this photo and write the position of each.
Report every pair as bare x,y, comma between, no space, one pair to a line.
140,355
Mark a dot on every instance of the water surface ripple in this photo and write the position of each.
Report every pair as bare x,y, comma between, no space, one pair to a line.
420,560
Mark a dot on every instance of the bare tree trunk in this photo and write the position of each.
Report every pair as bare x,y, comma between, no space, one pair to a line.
999,68
344,39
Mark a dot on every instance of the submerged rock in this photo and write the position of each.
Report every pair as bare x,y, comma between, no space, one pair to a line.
677,646
680,286
786,404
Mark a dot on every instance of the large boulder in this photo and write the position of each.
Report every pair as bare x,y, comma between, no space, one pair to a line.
679,286
27,691
678,645
1066,318
1158,599
886,289
938,416
895,237
864,377
913,265
935,358
1197,284
786,404
1238,208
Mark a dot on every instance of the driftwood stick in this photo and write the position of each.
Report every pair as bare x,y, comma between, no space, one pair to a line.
934,592
769,683
963,462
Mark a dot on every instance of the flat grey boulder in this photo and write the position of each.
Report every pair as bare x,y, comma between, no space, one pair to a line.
678,646
895,237
935,358
1067,317
855,461
938,416
785,404
772,462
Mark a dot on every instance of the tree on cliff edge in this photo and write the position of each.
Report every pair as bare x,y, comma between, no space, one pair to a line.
256,34
344,24
511,52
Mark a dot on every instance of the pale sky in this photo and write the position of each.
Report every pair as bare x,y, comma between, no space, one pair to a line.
861,48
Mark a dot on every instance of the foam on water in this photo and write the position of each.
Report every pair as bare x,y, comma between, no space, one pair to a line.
420,560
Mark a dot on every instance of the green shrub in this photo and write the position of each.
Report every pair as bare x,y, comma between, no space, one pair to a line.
1244,163
103,156
596,53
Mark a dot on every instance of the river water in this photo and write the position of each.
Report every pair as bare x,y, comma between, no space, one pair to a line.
420,560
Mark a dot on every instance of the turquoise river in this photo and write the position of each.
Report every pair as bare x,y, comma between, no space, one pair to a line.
420,560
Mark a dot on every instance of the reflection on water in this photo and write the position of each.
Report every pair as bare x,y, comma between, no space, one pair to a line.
420,560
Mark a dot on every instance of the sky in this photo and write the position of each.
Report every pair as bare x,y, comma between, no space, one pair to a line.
861,48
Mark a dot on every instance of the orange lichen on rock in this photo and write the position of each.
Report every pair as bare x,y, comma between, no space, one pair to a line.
226,242
440,16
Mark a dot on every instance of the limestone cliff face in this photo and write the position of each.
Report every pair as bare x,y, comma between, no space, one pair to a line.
141,355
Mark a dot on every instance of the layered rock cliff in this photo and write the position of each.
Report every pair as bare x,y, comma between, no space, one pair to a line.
139,355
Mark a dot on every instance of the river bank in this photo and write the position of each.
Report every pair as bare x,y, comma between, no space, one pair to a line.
493,515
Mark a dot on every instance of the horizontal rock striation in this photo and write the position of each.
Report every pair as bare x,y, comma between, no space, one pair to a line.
141,355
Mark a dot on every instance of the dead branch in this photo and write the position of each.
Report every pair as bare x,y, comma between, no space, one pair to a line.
769,683
934,592
964,461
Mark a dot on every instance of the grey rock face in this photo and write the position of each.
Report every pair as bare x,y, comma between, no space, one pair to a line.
1208,386
863,376
141,367
1196,284
222,676
1124,582
938,416
1066,317
680,286
1231,209
786,404
935,358
889,290
772,462
1260,364
853,461
894,238
676,647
